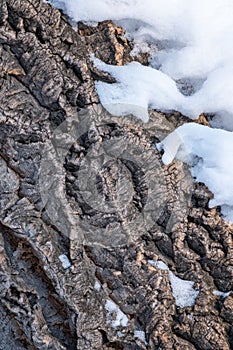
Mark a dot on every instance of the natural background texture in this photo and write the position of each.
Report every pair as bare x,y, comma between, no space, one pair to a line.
46,77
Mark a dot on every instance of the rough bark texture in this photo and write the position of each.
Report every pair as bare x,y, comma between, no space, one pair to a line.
46,77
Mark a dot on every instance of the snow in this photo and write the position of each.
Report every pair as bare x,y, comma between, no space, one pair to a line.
190,43
193,40
190,316
154,89
209,153
97,286
182,290
132,95
115,316
221,294
65,261
120,334
140,335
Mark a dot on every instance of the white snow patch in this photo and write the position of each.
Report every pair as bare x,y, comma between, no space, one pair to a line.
151,88
115,316
159,264
120,334
65,261
221,294
140,335
182,290
190,316
97,286
209,153
139,87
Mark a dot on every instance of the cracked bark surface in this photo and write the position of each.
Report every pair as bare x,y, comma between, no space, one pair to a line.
47,77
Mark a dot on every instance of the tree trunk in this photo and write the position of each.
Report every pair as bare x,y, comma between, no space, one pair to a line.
87,208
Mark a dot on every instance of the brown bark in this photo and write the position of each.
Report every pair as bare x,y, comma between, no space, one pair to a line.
46,78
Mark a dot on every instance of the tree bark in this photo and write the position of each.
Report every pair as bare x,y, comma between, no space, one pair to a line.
48,80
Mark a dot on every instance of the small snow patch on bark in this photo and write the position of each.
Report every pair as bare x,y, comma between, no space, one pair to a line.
65,261
221,294
97,286
115,316
140,335
182,290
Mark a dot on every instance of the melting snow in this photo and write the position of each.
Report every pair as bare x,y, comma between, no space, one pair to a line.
182,290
